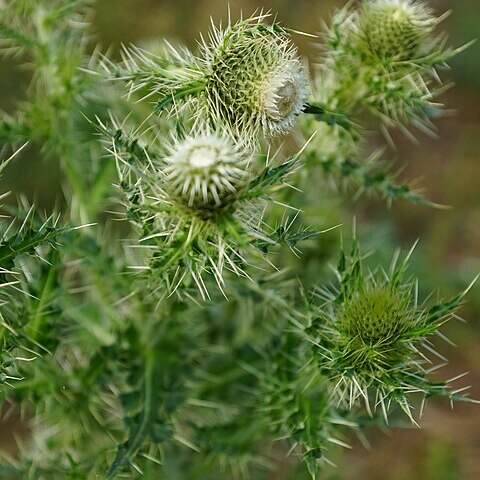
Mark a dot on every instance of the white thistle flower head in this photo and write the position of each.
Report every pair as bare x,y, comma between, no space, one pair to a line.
396,29
255,81
283,98
206,172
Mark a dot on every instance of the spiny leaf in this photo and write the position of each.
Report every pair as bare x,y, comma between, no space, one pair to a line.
445,307
27,238
367,177
271,176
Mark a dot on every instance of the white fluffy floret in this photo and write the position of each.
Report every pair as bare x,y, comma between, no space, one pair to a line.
206,171
283,98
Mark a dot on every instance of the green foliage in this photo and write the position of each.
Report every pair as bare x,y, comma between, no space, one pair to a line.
157,326
25,302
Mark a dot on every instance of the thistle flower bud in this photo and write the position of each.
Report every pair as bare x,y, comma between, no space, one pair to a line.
395,29
370,326
370,333
206,172
375,316
256,81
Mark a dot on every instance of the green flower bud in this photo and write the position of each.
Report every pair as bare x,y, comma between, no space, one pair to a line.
255,80
395,29
371,324
375,316
205,173
370,337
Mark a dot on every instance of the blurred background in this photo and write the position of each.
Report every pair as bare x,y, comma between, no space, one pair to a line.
447,167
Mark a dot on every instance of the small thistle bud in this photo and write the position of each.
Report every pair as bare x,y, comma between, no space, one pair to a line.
256,81
371,324
375,316
370,333
206,172
395,29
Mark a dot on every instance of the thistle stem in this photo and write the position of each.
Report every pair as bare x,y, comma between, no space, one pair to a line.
322,114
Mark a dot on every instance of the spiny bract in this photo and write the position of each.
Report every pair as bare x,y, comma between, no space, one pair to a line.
395,29
206,172
255,80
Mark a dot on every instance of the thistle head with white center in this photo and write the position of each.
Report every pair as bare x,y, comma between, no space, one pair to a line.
282,99
205,173
256,82
396,29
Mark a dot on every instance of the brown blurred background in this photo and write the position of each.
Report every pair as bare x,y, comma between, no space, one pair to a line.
448,168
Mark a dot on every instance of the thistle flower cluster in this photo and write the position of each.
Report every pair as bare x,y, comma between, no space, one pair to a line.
247,78
371,337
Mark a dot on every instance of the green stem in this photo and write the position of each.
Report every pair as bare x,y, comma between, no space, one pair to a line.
127,452
322,114
36,322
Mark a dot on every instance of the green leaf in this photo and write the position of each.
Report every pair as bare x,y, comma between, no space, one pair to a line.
271,176
28,237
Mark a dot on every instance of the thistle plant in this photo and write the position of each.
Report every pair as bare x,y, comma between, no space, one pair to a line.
170,316
381,69
388,53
